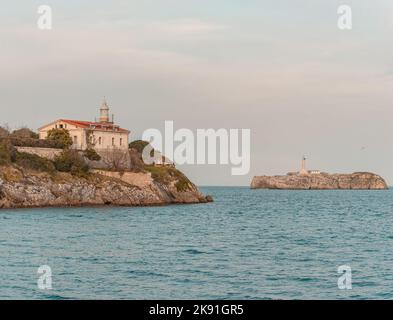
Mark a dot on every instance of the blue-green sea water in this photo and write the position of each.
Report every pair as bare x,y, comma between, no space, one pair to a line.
248,244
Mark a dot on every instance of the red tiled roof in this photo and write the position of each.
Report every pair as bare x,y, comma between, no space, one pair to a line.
95,125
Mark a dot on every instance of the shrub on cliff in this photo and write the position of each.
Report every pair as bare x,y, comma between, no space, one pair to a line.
61,137
70,161
136,149
24,133
7,152
25,137
136,162
138,145
183,183
30,142
166,175
34,162
4,133
91,154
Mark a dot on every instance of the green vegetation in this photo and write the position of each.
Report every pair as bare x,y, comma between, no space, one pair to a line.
9,155
138,145
165,175
25,137
7,152
73,162
61,137
162,174
34,162
30,142
182,185
91,154
159,174
136,162
11,174
4,133
70,161
24,133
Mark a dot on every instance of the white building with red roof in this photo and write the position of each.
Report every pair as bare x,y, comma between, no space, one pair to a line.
102,135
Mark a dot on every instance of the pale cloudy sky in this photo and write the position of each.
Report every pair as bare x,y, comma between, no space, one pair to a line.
281,68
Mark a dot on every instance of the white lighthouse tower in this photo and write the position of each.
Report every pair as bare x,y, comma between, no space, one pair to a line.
104,112
303,170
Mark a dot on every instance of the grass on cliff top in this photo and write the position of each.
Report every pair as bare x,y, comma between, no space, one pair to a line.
166,175
68,161
34,162
70,164
7,152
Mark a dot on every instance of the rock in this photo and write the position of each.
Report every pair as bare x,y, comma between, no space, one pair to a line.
323,181
209,198
21,188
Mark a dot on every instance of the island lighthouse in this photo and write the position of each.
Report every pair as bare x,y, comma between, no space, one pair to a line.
303,170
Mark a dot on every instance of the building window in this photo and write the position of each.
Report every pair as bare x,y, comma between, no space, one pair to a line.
61,126
75,140
113,141
121,141
99,140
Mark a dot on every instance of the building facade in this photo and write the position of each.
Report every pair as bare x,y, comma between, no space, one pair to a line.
102,135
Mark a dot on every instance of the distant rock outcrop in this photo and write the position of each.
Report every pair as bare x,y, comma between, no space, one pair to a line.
323,181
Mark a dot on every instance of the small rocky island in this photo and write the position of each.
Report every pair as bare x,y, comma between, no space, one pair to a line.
316,180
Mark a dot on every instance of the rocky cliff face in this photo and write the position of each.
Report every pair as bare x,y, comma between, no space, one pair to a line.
355,181
21,188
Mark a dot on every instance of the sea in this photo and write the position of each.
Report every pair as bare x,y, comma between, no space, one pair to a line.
248,244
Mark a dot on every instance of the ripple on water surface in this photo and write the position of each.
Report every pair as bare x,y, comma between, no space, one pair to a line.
248,244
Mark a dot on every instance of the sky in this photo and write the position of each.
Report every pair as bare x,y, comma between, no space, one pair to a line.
282,69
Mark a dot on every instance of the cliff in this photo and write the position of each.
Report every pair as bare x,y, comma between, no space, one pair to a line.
323,181
46,177
22,188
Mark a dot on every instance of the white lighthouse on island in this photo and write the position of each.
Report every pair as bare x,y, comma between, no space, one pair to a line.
303,170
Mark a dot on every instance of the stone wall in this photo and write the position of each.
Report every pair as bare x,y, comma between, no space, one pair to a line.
139,179
121,159
47,153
